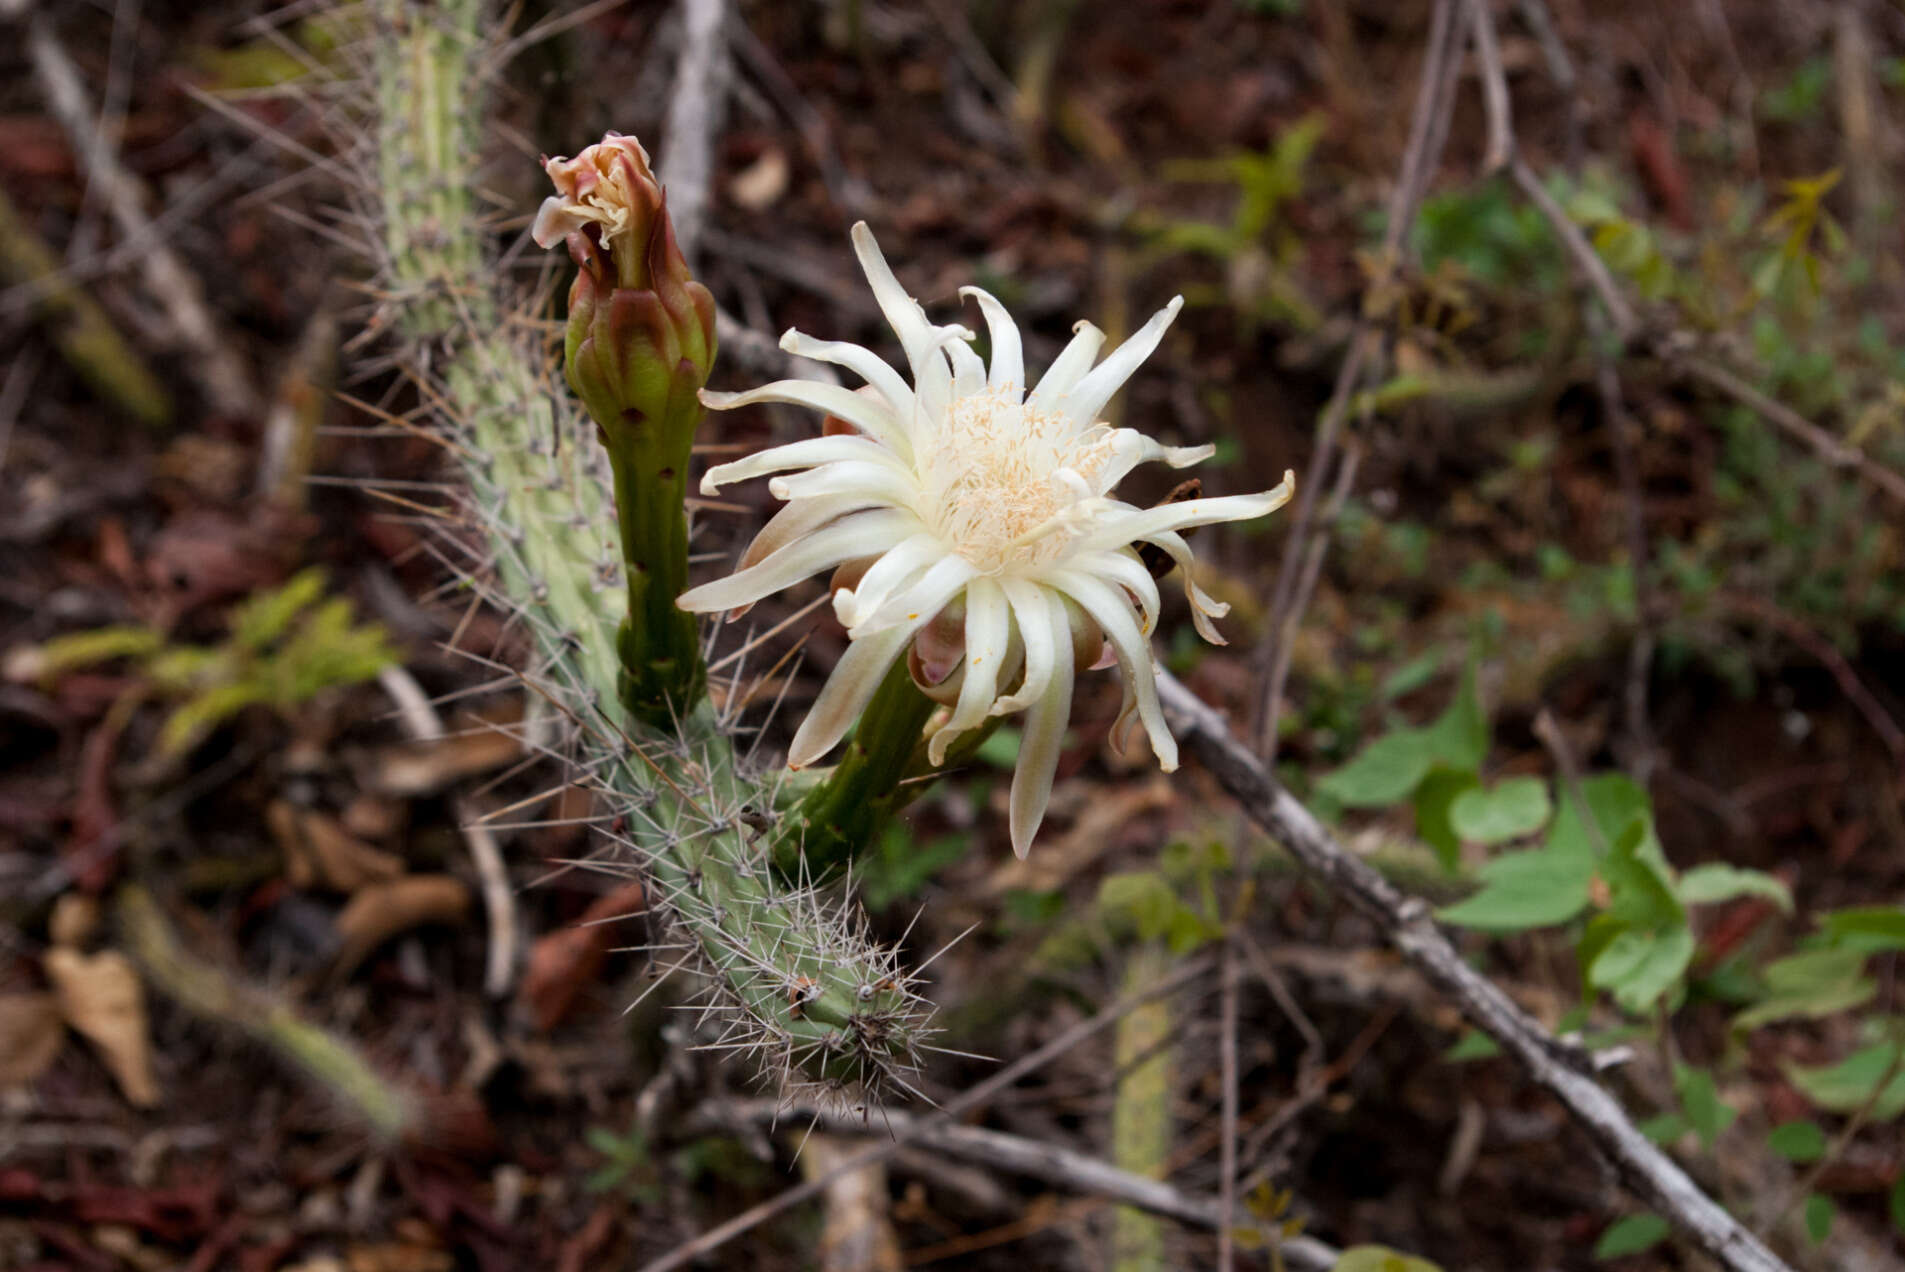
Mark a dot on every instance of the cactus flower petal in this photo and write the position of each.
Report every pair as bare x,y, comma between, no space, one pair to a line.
988,509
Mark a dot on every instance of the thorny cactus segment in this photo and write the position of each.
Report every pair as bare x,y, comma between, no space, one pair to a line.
807,988
637,348
799,983
426,72
963,495
844,813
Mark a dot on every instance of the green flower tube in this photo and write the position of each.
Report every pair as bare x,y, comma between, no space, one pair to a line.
637,350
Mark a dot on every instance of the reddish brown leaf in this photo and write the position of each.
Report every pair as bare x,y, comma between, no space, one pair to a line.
562,963
31,1034
383,910
588,1248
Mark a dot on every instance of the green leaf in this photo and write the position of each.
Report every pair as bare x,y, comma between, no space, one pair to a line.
1415,673
1665,1128
1638,966
268,615
1878,927
903,866
1433,797
1459,738
1717,881
1383,772
1001,750
1613,802
1700,1097
67,653
1643,890
1811,984
1473,1045
1896,1203
1508,810
1380,1259
1142,896
1845,1087
1819,1214
192,720
1630,1235
1798,1141
1524,890
1389,768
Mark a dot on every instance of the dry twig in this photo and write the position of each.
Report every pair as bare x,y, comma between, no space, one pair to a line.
1428,130
1406,924
1051,1163
696,107
223,378
974,1097
420,720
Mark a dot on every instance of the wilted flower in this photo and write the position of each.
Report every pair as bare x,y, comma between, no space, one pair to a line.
637,347
976,524
640,334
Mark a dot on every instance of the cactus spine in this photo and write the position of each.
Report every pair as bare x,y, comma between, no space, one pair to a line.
795,976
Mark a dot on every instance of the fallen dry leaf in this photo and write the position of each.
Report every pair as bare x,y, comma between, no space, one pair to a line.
380,911
761,184
424,768
75,919
590,1247
31,1031
563,962
101,997
375,817
398,1256
319,852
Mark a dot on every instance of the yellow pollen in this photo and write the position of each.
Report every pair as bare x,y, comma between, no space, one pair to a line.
989,474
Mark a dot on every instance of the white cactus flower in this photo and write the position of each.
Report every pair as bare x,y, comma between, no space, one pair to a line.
966,491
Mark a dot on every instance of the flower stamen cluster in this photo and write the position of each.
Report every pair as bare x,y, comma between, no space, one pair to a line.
963,501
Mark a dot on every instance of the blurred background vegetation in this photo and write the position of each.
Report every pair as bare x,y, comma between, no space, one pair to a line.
1603,651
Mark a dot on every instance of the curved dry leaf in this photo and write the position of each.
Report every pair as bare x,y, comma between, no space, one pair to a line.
564,962
102,998
31,1031
380,911
425,768
319,852
75,919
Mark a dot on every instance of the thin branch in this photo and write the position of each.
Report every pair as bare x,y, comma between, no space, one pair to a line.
759,352
696,107
1579,250
1501,124
1061,1167
419,718
1305,590
1406,924
1832,660
1627,326
1824,444
1428,131
220,374
1621,432
973,1098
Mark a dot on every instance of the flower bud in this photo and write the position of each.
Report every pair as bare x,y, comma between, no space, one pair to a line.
939,651
637,350
641,331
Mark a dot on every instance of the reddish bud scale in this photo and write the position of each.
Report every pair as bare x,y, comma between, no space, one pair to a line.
639,344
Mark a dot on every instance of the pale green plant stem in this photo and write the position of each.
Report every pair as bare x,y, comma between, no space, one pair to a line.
800,982
212,994
1141,1116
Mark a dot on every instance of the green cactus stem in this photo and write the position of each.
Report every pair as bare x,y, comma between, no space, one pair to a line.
796,981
